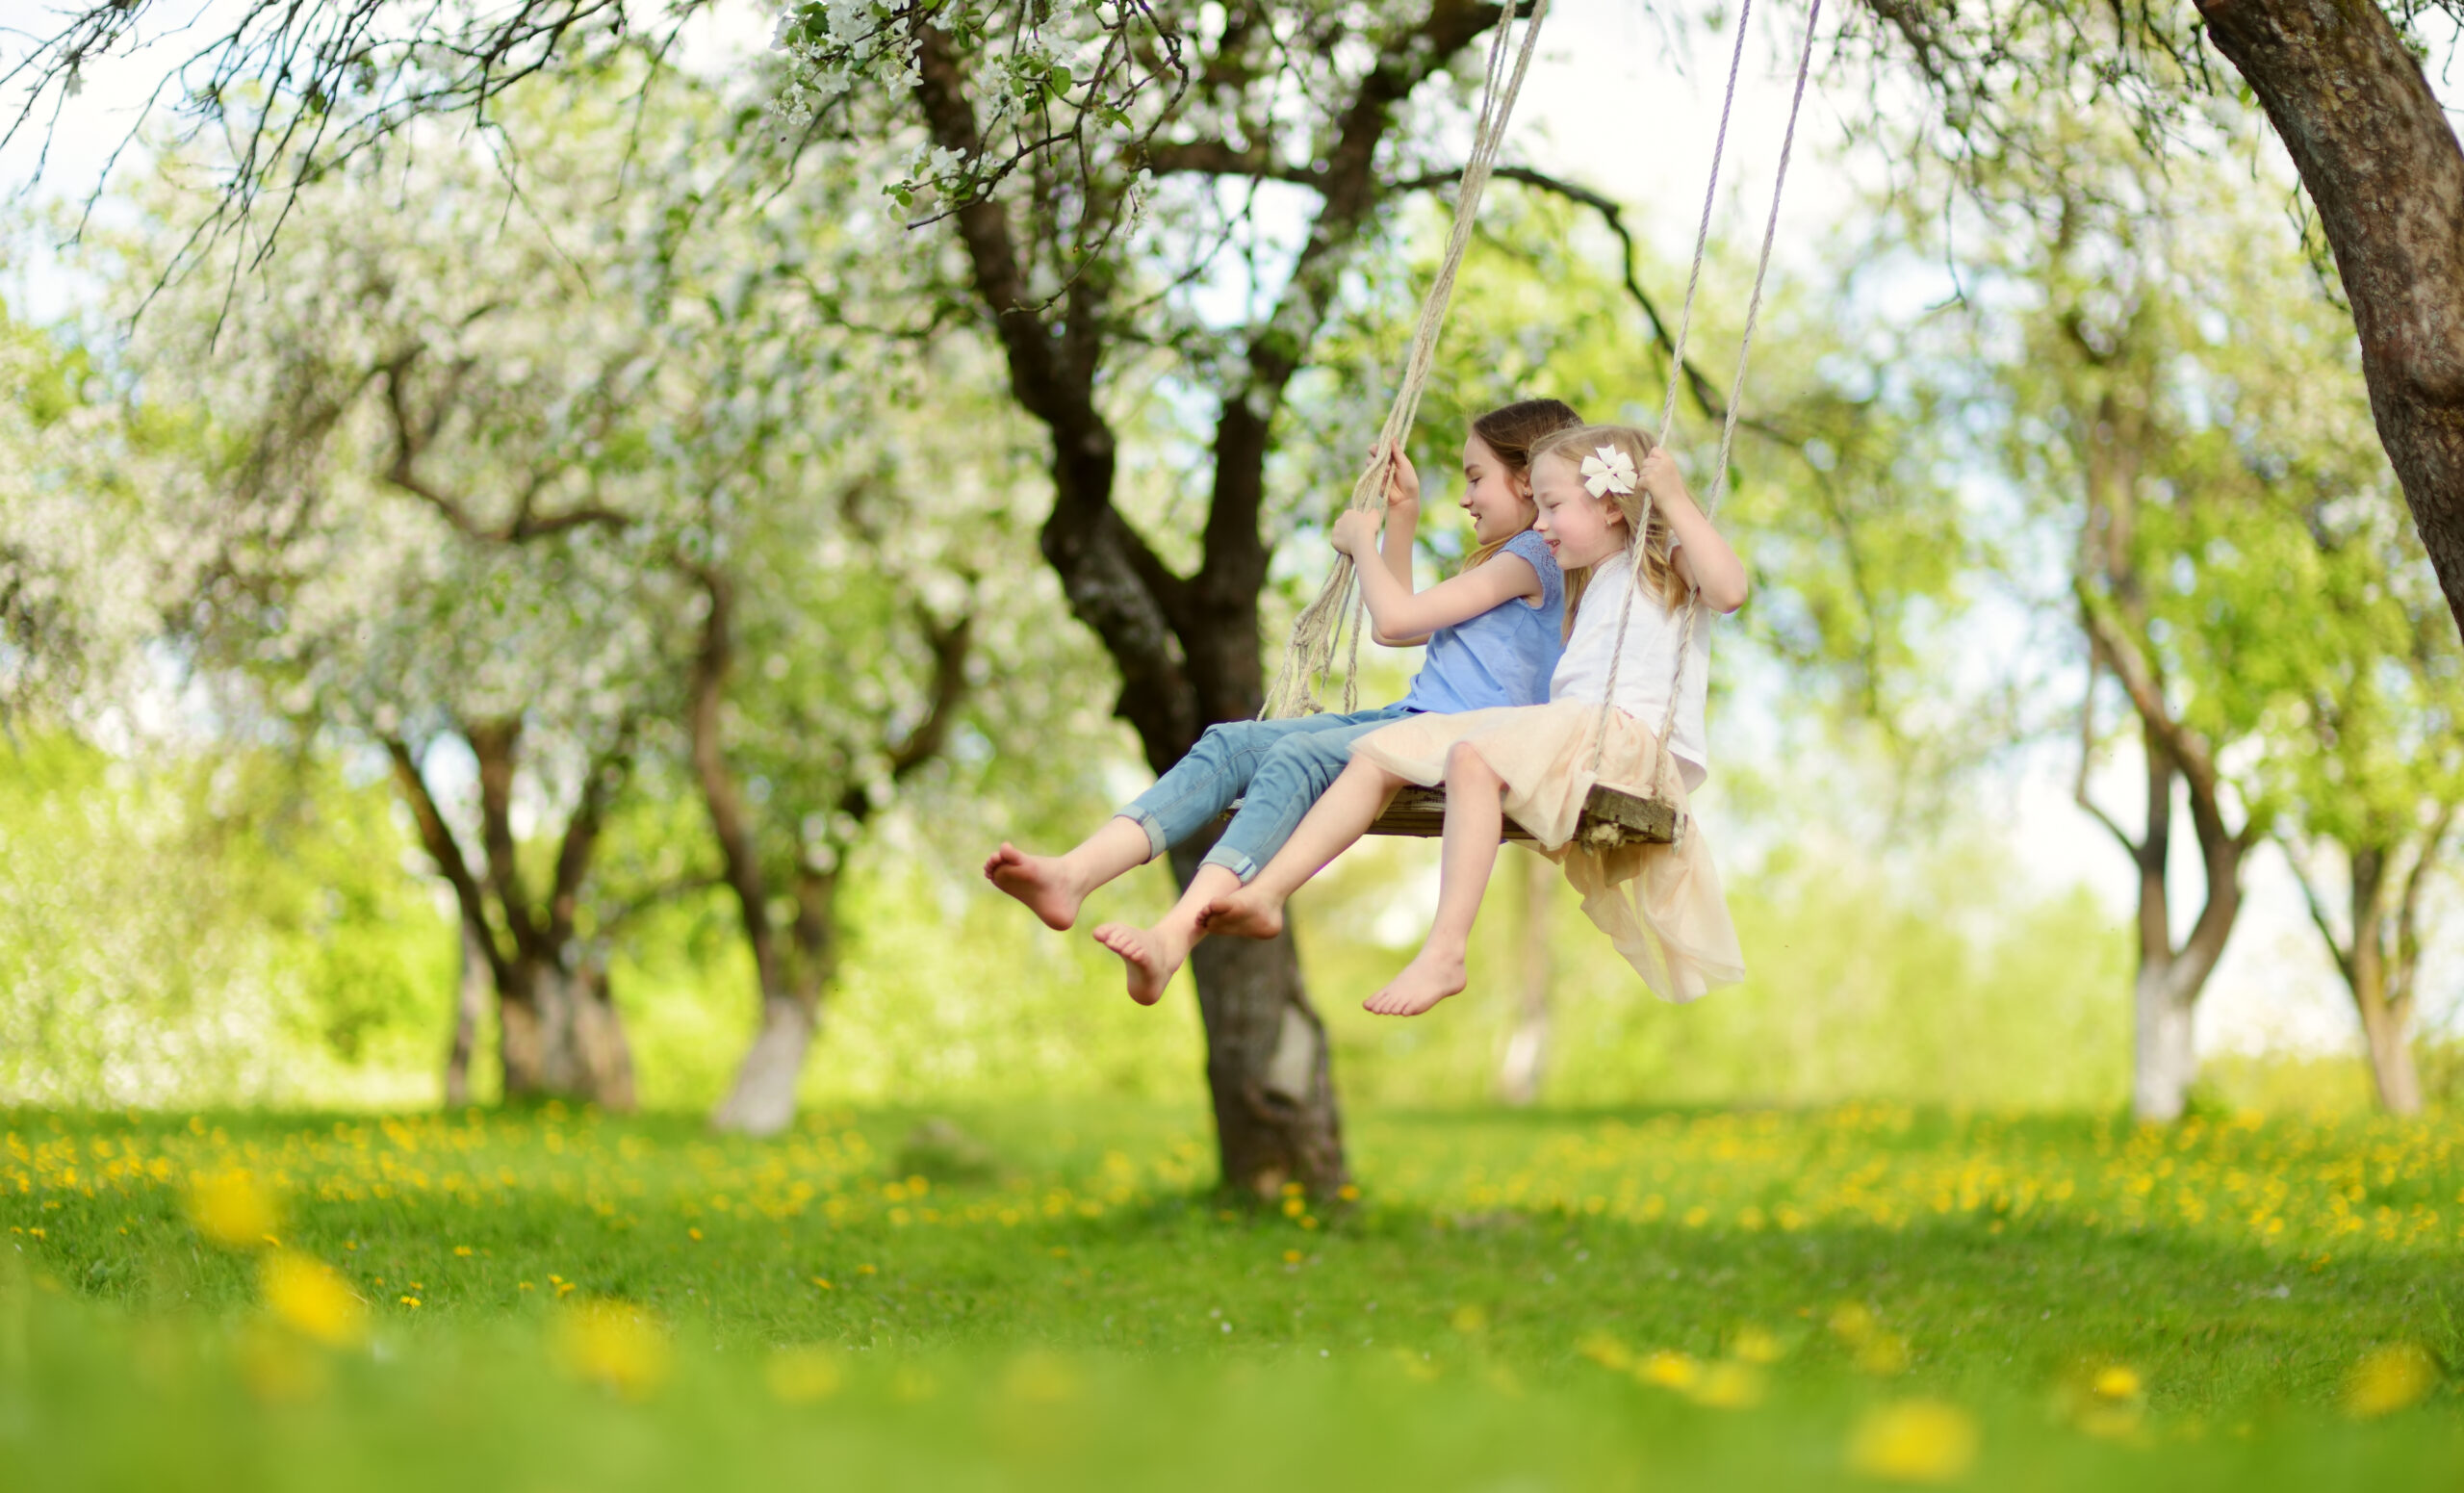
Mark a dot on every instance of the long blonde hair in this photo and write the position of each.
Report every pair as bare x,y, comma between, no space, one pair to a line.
1512,431
1641,515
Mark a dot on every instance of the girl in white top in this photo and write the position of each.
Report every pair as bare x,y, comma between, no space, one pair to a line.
1595,489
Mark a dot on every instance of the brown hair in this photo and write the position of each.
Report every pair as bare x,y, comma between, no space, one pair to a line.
1640,514
1512,431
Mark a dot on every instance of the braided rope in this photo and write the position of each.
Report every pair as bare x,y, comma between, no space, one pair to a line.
1727,427
1676,365
1311,654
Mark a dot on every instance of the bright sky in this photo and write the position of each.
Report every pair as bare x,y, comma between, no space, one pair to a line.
1619,104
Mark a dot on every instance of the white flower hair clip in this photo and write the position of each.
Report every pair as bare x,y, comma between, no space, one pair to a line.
1611,471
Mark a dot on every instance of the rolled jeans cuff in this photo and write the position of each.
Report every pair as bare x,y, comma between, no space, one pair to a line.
1232,861
1156,844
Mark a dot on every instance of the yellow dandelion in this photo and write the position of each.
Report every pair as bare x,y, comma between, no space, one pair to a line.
462,1251
2390,1379
1291,1256
1914,1441
232,1209
823,1283
1669,1370
1470,1318
615,1344
803,1376
305,1294
2116,1381
408,1300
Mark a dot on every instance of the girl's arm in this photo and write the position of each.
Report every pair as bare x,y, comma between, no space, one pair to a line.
1402,518
1401,617
1703,559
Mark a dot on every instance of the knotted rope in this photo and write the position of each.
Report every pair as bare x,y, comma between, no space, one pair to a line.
1736,386
1311,655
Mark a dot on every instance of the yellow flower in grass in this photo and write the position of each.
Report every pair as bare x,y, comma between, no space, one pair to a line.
615,1344
1914,1441
803,1376
1670,1371
233,1209
305,1294
2390,1379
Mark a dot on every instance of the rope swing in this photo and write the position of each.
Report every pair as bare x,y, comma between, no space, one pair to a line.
1610,816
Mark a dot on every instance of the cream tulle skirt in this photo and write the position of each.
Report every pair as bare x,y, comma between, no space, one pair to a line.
1659,904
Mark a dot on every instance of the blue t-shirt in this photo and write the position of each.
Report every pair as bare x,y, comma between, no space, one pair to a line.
1506,654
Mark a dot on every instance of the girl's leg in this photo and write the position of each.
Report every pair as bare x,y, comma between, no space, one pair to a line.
1196,788
1154,955
1295,774
1341,816
1474,818
1053,885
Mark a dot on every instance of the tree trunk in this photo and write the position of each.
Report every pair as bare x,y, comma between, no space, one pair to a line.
763,1100
1527,1050
562,1039
470,1003
2387,1030
1267,1062
2166,1062
2380,158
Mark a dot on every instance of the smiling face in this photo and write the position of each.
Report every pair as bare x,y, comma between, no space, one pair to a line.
1499,502
1580,529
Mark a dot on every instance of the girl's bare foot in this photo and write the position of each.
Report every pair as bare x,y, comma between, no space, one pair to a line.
1153,959
1429,978
1246,913
1043,882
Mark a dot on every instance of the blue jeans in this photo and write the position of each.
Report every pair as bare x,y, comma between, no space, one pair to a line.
1275,768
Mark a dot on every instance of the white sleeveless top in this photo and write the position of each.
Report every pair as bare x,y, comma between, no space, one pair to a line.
1644,673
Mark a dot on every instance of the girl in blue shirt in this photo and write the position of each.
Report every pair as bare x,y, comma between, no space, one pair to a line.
1493,633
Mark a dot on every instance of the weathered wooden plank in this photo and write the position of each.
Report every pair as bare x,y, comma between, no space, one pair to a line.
1608,813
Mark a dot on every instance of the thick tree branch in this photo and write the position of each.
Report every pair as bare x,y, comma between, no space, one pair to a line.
411,439
2378,157
496,744
600,782
437,837
705,696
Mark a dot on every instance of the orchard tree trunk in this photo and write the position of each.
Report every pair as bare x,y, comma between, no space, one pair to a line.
1526,1050
561,1039
793,965
2380,951
1268,1065
1186,646
470,1003
559,1034
2379,159
2165,1058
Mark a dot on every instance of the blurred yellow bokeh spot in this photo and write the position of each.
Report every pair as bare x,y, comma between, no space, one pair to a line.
2390,1379
615,1344
233,1209
305,1294
1914,1441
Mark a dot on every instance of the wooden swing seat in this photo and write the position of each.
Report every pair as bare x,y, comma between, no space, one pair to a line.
1611,818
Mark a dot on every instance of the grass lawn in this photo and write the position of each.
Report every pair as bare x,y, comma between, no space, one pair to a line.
1050,1296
